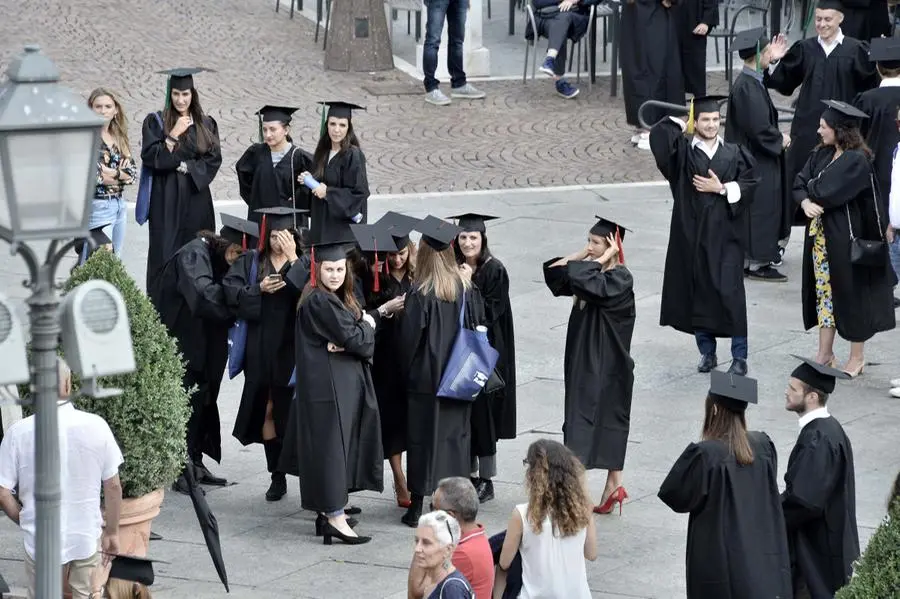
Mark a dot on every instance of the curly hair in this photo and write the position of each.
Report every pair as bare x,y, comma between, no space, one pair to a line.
555,483
848,137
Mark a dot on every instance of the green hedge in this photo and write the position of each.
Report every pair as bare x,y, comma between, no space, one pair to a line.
876,574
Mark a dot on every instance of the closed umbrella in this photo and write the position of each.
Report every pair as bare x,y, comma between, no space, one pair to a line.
208,524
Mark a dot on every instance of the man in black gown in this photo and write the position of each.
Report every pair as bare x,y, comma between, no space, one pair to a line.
753,123
819,499
703,283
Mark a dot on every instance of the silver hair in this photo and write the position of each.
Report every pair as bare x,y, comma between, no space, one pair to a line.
445,527
458,495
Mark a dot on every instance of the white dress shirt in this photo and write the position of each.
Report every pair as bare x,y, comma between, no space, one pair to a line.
829,48
89,455
732,189
813,415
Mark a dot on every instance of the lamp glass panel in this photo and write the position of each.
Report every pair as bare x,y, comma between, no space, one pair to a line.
50,172
4,199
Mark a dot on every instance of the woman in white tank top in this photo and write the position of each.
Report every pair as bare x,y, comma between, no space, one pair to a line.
554,532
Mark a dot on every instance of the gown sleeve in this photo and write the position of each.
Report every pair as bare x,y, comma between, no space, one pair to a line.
411,328
841,181
866,74
246,169
494,291
667,143
589,282
303,161
297,276
557,278
687,484
788,73
710,13
154,152
243,296
335,323
203,169
747,180
346,200
810,479
204,296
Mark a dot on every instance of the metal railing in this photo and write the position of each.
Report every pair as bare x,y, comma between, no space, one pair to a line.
680,109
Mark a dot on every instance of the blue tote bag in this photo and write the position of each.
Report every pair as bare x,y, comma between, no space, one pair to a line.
471,363
145,186
237,335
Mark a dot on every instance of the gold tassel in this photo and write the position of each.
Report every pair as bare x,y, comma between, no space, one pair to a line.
690,122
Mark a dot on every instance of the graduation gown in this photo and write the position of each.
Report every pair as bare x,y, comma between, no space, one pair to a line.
191,303
333,440
492,281
269,356
703,281
649,71
736,544
753,123
347,196
691,13
880,132
180,205
264,185
599,371
819,504
862,297
438,429
841,75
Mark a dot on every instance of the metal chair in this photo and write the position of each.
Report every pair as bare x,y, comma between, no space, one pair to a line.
576,46
298,2
739,7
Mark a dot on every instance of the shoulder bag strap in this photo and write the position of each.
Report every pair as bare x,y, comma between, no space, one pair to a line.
449,580
462,309
876,200
159,120
293,187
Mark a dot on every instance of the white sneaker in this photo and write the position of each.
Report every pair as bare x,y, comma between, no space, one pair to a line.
437,97
644,143
895,392
467,91
895,382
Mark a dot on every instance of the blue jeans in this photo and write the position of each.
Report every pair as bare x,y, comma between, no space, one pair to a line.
706,343
454,12
108,212
894,249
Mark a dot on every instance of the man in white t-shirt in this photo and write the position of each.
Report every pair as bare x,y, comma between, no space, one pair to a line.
89,457
893,232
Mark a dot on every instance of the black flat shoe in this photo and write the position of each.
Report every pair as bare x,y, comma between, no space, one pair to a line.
411,517
321,521
181,486
205,477
278,488
738,367
707,363
486,492
353,510
329,532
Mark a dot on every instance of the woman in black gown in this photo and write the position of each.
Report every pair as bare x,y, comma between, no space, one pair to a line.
268,304
493,414
339,166
269,171
180,146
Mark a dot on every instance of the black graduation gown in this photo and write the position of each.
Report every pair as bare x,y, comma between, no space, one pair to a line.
333,441
862,297
180,205
347,196
599,371
492,280
703,282
269,356
263,185
649,71
819,504
881,134
691,13
857,21
438,429
753,123
736,544
841,75
191,303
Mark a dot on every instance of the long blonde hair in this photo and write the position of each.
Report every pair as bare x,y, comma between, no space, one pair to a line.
125,589
118,126
436,272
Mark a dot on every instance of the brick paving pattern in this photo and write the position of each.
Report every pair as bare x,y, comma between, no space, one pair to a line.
520,136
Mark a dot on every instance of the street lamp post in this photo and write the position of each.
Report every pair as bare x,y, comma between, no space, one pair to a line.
48,154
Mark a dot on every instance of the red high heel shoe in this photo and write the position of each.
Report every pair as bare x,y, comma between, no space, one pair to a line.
404,503
618,496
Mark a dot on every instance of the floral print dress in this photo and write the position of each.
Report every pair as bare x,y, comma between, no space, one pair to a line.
824,305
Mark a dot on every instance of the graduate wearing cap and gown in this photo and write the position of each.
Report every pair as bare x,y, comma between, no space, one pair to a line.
184,156
191,303
840,73
881,104
438,429
753,123
711,181
269,171
268,304
339,165
599,370
834,189
728,483
819,499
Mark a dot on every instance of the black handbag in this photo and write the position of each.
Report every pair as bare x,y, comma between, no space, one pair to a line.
494,383
868,252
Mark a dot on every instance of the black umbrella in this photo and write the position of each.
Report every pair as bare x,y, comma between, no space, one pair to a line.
208,524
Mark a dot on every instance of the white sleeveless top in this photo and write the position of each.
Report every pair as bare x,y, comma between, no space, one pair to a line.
552,566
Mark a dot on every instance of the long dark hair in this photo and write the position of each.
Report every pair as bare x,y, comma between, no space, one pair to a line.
848,137
728,427
323,148
218,250
206,140
554,480
344,292
264,270
483,256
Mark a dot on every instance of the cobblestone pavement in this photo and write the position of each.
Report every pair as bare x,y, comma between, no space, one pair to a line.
520,136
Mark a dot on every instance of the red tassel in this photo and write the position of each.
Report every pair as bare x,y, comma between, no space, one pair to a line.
619,243
377,286
312,267
387,270
262,233
244,242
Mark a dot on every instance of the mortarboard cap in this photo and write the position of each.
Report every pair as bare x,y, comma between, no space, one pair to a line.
331,251
604,227
373,238
818,376
270,113
841,113
750,42
830,5
182,78
237,230
707,104
731,391
437,233
472,221
279,218
399,226
133,568
341,110
885,51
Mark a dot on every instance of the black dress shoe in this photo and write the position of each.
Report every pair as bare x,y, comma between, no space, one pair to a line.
707,363
486,492
352,510
205,477
738,367
767,273
181,486
321,521
329,532
278,488
411,517
896,302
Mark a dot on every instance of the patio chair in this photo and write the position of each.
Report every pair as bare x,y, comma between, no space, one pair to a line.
574,53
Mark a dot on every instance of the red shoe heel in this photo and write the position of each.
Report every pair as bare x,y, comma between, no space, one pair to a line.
618,496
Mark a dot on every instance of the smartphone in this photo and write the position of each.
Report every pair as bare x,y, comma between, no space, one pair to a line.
273,278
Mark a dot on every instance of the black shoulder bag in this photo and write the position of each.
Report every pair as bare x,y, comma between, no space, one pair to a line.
868,252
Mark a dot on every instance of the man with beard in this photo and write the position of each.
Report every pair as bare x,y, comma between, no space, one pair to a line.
191,303
703,282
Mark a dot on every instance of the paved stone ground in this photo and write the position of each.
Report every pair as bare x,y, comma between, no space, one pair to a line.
270,549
